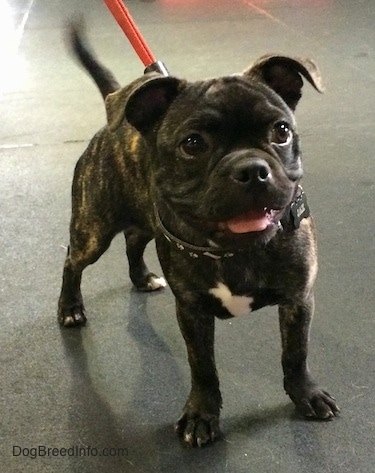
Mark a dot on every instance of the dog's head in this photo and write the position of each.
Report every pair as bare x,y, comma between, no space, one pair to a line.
224,152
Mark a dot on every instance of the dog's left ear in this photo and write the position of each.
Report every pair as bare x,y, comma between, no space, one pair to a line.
283,75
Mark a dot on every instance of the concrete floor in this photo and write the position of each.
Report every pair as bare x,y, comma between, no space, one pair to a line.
121,381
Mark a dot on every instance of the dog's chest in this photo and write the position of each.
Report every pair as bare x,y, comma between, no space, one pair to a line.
239,292
236,305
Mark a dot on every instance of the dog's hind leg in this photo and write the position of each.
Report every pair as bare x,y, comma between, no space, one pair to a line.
136,242
85,248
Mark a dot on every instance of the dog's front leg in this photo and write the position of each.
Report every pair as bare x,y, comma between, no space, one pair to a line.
199,422
310,400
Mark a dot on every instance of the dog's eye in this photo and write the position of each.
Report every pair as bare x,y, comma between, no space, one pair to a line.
193,145
281,134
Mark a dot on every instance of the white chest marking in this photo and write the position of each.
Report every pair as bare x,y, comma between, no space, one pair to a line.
236,305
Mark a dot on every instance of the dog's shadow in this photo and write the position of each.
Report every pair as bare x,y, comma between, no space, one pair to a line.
145,439
92,419
277,426
253,421
92,422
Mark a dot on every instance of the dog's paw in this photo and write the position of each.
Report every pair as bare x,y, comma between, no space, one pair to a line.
73,317
199,430
313,402
151,283
320,405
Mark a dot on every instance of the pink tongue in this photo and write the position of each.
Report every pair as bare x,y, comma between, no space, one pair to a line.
251,222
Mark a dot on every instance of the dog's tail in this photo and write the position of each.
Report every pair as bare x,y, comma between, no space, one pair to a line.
80,48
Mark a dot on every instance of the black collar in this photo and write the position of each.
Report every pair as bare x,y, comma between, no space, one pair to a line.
298,210
192,250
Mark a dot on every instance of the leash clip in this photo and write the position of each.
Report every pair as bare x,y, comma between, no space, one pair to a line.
157,66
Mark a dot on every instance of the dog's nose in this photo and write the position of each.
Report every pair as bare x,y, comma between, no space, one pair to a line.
252,172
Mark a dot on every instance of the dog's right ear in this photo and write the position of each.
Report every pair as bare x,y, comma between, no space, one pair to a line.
143,102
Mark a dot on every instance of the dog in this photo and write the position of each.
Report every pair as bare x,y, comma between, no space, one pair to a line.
212,171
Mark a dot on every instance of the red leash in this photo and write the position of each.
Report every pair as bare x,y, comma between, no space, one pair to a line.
126,22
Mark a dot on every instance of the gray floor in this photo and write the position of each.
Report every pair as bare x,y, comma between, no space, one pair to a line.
121,381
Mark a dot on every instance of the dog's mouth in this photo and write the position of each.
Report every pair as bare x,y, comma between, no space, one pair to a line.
252,221
261,223
249,222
